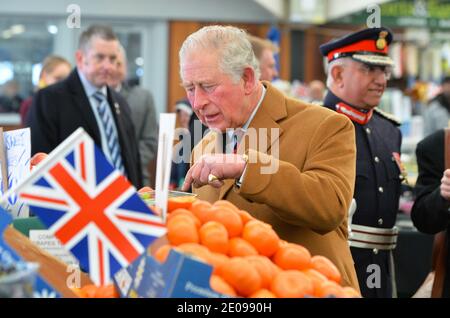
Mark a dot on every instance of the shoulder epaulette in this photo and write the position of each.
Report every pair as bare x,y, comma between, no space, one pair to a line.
388,116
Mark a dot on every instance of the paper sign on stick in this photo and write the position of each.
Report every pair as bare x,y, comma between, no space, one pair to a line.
164,161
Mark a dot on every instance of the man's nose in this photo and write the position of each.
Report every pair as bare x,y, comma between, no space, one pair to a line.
109,65
200,99
380,76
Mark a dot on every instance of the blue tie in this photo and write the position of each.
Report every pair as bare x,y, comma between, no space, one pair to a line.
111,136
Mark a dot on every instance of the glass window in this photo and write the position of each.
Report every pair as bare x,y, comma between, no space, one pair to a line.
24,43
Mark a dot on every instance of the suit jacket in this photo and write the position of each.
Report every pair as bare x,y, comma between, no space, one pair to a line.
430,212
58,110
307,199
143,115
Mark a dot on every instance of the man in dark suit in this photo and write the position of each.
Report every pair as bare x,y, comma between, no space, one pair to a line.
358,70
85,100
430,212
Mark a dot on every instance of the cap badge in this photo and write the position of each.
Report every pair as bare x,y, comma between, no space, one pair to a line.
381,42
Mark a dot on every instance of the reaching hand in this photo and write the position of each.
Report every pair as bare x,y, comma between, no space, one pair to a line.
212,169
445,185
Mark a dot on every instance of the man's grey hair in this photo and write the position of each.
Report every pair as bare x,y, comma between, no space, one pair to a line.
232,45
104,32
329,66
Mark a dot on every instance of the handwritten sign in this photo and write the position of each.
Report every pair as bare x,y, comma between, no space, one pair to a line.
18,152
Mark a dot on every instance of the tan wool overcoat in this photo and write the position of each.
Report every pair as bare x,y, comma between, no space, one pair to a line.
301,180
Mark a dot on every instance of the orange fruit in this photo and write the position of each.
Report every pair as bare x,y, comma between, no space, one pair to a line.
214,236
162,252
184,202
79,292
107,291
184,212
145,189
241,275
196,250
330,288
245,216
201,209
89,290
225,204
292,256
262,237
350,292
216,261
326,267
292,284
37,158
316,278
221,286
240,247
266,269
182,229
283,243
229,218
262,293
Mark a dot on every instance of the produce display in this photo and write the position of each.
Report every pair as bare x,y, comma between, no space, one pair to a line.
247,256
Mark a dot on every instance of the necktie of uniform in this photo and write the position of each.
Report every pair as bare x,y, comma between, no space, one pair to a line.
112,139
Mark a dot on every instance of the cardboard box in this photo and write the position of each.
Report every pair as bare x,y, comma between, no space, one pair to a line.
179,277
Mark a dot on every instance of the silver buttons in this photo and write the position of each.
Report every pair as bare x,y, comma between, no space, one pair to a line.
375,251
368,131
380,221
380,189
377,160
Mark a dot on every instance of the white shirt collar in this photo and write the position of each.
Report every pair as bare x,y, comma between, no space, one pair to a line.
252,115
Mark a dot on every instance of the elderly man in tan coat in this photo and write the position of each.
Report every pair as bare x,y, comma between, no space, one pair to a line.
288,163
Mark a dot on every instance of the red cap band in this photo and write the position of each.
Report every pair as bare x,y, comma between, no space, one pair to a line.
364,45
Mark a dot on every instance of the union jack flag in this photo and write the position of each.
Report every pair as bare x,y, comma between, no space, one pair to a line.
90,207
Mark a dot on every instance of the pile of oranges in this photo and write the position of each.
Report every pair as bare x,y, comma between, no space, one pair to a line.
93,291
247,256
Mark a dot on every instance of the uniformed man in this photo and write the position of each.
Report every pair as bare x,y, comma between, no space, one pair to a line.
357,74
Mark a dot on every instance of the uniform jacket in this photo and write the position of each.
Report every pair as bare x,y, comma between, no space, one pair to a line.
58,110
377,190
307,198
430,212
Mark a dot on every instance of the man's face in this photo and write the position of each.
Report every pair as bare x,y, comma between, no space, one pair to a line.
120,71
363,85
268,66
216,100
98,61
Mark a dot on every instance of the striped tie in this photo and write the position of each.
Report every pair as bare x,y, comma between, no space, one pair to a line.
110,133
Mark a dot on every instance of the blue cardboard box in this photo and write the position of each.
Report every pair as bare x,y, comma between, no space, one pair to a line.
179,277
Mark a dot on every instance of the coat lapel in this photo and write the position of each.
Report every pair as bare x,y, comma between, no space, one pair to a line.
82,102
264,131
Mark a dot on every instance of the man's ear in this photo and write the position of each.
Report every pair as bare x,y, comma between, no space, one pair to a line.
337,75
79,57
249,79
